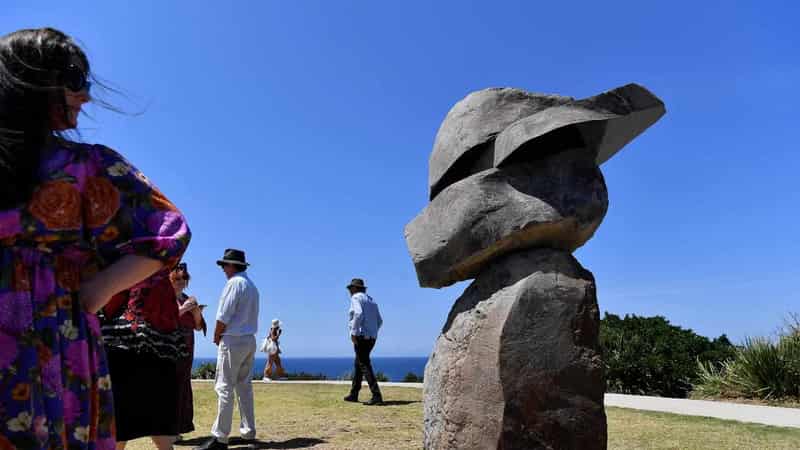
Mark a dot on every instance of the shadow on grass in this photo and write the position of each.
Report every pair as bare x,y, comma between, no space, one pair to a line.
237,443
399,402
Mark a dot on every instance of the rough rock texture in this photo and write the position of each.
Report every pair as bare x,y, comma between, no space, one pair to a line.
605,123
556,202
515,188
473,122
517,365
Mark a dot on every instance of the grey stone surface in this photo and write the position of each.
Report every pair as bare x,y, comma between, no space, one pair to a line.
515,188
487,127
517,364
473,122
605,123
555,202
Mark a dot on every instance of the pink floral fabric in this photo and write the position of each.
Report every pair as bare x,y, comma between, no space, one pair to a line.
90,208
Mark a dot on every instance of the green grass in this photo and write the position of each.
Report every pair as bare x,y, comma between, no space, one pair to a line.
632,429
314,416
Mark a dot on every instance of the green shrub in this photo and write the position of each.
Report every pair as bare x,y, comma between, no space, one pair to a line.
650,356
411,377
761,369
205,371
306,376
348,376
711,379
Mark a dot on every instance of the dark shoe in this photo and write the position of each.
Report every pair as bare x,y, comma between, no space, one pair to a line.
212,444
351,398
374,401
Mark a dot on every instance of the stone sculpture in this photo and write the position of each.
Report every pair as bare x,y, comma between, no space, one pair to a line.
515,188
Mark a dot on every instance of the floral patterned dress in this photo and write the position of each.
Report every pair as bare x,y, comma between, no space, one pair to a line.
90,208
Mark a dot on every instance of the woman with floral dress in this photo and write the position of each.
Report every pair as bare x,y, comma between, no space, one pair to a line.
78,223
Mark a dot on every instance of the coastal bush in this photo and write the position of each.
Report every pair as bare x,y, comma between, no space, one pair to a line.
762,369
411,377
650,356
348,376
305,376
206,371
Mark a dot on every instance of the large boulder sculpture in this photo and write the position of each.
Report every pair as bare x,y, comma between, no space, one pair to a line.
515,188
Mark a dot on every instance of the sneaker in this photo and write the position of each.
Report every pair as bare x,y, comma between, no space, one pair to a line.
266,379
374,401
351,398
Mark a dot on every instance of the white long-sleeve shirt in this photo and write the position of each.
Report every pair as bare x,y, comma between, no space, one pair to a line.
238,306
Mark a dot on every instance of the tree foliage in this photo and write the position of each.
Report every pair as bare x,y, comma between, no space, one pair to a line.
650,356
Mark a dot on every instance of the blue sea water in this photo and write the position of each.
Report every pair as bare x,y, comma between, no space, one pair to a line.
395,368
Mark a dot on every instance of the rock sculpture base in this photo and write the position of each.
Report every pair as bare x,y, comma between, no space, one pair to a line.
517,365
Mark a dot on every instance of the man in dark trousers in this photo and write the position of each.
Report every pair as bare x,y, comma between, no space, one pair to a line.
365,321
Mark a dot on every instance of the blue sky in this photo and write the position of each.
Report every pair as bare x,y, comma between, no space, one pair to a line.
300,132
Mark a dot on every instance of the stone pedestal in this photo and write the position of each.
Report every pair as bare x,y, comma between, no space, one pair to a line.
517,364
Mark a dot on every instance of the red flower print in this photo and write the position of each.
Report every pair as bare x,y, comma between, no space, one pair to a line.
102,201
21,392
57,204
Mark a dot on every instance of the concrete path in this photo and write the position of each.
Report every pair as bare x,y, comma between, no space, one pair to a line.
767,415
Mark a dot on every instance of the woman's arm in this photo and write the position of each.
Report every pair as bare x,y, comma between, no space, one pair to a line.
202,326
187,306
121,275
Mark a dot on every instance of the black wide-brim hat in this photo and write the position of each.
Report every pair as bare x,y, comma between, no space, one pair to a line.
233,256
357,283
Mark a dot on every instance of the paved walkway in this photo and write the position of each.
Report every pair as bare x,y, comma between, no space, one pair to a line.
767,415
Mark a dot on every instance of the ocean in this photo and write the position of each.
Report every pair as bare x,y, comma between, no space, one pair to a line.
395,368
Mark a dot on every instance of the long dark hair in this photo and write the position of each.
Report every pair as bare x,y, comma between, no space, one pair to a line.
30,62
181,268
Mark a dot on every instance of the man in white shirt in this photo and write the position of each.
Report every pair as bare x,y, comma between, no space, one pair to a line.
365,321
235,335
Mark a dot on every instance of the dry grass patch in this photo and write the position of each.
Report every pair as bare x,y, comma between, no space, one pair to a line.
300,416
313,416
632,429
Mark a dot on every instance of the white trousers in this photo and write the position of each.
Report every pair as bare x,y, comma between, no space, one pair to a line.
234,375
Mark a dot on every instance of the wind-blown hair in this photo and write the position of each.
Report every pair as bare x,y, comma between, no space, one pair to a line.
30,64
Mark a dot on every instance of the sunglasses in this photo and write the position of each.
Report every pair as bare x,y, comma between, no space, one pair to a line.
75,79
